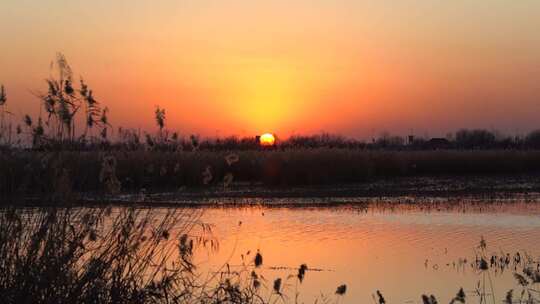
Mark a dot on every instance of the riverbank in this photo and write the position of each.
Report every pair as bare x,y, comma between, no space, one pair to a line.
417,190
324,172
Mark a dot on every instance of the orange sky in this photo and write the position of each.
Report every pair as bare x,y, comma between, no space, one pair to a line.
246,67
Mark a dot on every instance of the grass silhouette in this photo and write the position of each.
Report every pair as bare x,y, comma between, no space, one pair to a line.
57,173
125,255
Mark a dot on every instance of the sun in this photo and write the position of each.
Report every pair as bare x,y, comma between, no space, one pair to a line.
267,140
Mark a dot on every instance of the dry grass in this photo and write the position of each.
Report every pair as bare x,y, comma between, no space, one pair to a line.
125,255
62,173
93,256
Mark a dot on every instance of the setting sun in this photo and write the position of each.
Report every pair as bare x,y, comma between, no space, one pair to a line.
267,140
359,137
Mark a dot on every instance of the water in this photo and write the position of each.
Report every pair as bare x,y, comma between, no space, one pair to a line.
402,251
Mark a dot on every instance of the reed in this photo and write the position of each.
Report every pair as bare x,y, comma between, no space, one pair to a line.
93,255
41,173
126,255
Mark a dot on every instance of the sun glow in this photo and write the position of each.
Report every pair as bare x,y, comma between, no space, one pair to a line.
267,140
262,93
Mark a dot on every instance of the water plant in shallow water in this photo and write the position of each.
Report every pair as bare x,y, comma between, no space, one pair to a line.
526,274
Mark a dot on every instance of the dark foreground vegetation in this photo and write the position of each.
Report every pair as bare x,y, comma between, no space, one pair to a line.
127,255
123,256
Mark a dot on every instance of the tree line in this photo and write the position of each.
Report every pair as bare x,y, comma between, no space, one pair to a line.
65,106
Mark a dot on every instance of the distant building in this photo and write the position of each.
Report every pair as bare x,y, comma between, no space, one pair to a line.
437,143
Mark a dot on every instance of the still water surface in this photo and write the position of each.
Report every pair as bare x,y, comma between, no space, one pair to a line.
403,252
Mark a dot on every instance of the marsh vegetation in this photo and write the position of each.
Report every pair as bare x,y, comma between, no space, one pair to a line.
127,255
53,175
71,147
72,158
157,255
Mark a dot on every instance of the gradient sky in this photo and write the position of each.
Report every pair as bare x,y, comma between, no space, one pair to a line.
244,67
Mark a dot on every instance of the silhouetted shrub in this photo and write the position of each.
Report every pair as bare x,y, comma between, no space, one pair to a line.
475,139
533,140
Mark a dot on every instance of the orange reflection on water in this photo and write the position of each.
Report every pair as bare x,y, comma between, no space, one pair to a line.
377,250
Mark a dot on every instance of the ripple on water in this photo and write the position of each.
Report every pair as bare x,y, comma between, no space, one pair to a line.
379,248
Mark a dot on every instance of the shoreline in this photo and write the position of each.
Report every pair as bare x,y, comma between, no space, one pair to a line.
486,188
